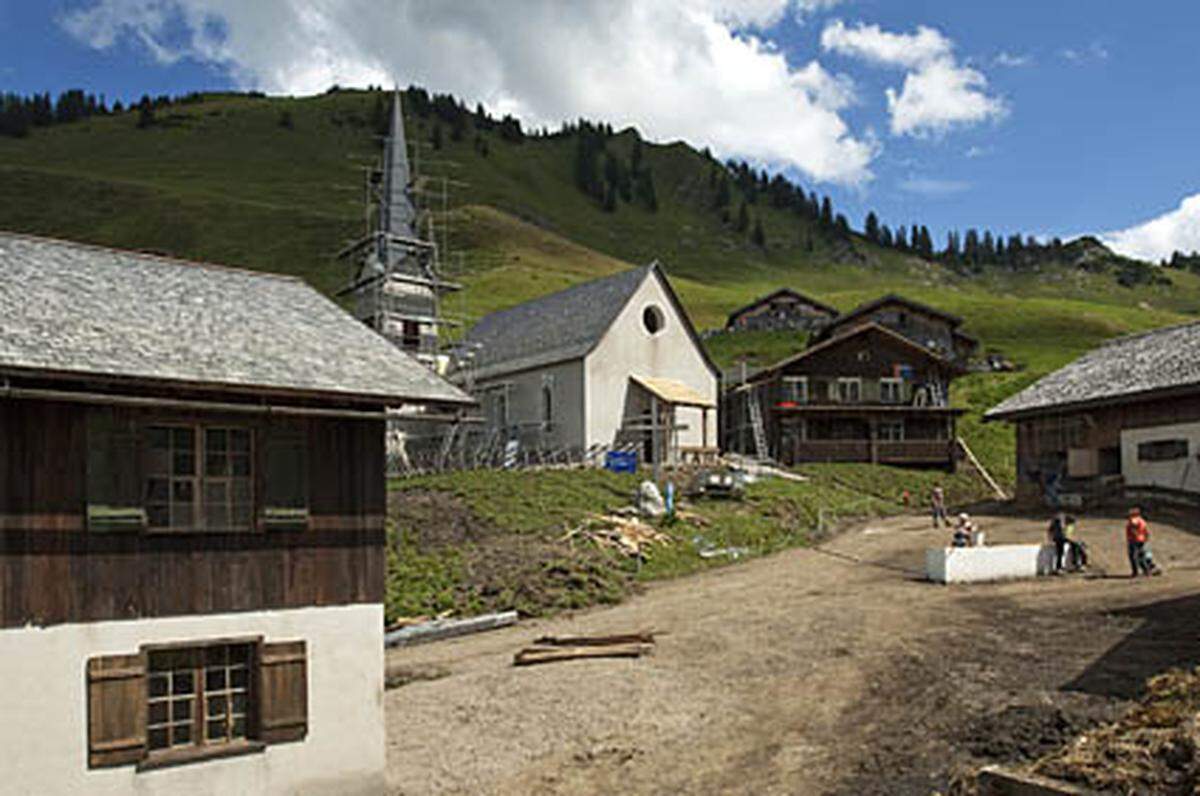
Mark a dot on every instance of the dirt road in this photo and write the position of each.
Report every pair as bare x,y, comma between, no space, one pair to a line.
823,671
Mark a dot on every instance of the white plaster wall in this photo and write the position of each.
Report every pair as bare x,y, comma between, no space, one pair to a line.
43,702
628,349
982,564
1181,474
525,402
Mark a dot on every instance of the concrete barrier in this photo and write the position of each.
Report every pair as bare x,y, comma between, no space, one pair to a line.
981,564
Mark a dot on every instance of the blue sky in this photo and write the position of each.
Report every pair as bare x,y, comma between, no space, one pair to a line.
1047,118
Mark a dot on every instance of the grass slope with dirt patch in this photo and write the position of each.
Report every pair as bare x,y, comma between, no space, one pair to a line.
480,541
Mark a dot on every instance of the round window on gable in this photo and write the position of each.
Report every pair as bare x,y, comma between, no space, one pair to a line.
653,319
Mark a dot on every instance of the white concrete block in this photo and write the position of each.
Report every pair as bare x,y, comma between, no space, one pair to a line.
981,564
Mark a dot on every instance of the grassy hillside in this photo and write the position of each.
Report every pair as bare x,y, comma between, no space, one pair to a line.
224,180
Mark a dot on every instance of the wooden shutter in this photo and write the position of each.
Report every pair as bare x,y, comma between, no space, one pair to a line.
114,484
285,477
283,692
116,705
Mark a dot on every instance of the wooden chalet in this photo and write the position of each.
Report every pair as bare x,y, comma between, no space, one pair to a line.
1120,422
192,536
866,395
926,326
783,310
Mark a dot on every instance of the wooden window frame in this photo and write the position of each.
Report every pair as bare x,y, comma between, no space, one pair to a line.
790,393
895,382
893,424
846,382
199,478
200,749
1163,450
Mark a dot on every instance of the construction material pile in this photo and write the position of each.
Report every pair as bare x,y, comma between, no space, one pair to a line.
629,535
1153,749
548,649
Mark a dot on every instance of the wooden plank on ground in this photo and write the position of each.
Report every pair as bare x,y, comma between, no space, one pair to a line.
534,655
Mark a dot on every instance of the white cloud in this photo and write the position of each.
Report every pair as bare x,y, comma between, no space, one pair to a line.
1096,51
977,151
929,186
938,93
1012,59
689,70
1158,238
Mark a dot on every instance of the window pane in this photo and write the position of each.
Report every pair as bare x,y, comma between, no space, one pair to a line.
239,704
237,678
239,727
216,517
182,490
158,738
242,515
158,462
214,440
183,464
216,656
183,734
241,464
214,492
216,730
216,464
241,490
158,438
182,683
216,706
183,439
181,709
158,516
181,515
239,653
214,680
158,712
239,440
158,490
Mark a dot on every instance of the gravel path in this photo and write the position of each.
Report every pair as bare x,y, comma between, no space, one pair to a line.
812,671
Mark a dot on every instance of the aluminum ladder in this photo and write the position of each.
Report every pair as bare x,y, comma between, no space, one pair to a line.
756,425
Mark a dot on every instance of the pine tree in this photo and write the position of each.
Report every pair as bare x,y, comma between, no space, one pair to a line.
826,212
610,199
145,114
724,195
635,157
646,192
871,227
743,219
435,138
885,237
758,237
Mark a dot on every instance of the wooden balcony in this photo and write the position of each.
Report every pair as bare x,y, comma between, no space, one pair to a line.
923,452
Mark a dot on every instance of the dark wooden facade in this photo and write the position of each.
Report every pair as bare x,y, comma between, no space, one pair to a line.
55,568
925,326
1078,450
869,396
783,310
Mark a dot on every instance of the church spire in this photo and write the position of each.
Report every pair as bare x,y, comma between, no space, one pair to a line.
396,213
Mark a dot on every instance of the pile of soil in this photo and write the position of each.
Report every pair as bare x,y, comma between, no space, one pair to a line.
497,570
1021,732
1153,749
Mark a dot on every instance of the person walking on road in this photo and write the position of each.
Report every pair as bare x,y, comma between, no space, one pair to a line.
937,506
1137,535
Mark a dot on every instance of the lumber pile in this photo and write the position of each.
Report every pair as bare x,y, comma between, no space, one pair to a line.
548,649
628,535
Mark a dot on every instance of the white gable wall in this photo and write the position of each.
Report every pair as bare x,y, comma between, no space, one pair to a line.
628,349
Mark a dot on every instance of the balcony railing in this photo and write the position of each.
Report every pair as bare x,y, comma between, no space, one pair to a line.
880,451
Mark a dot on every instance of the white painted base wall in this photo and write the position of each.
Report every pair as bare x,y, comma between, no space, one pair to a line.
982,564
1181,474
43,706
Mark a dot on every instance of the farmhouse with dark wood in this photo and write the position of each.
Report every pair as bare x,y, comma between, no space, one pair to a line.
1124,418
783,310
191,527
868,394
926,326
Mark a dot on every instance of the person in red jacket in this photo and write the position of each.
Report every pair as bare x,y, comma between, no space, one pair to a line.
1137,534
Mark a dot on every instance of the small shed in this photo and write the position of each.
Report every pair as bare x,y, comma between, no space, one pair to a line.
781,310
1123,418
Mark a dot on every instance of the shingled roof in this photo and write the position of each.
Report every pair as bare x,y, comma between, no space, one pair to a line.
554,328
1121,370
72,309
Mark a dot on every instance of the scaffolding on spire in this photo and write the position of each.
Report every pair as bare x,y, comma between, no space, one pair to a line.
396,283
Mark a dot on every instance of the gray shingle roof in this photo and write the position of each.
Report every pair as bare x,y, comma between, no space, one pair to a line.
75,308
554,328
1121,369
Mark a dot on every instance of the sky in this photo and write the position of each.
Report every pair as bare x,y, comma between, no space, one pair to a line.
1043,117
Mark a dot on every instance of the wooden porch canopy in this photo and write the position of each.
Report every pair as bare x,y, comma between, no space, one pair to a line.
673,392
